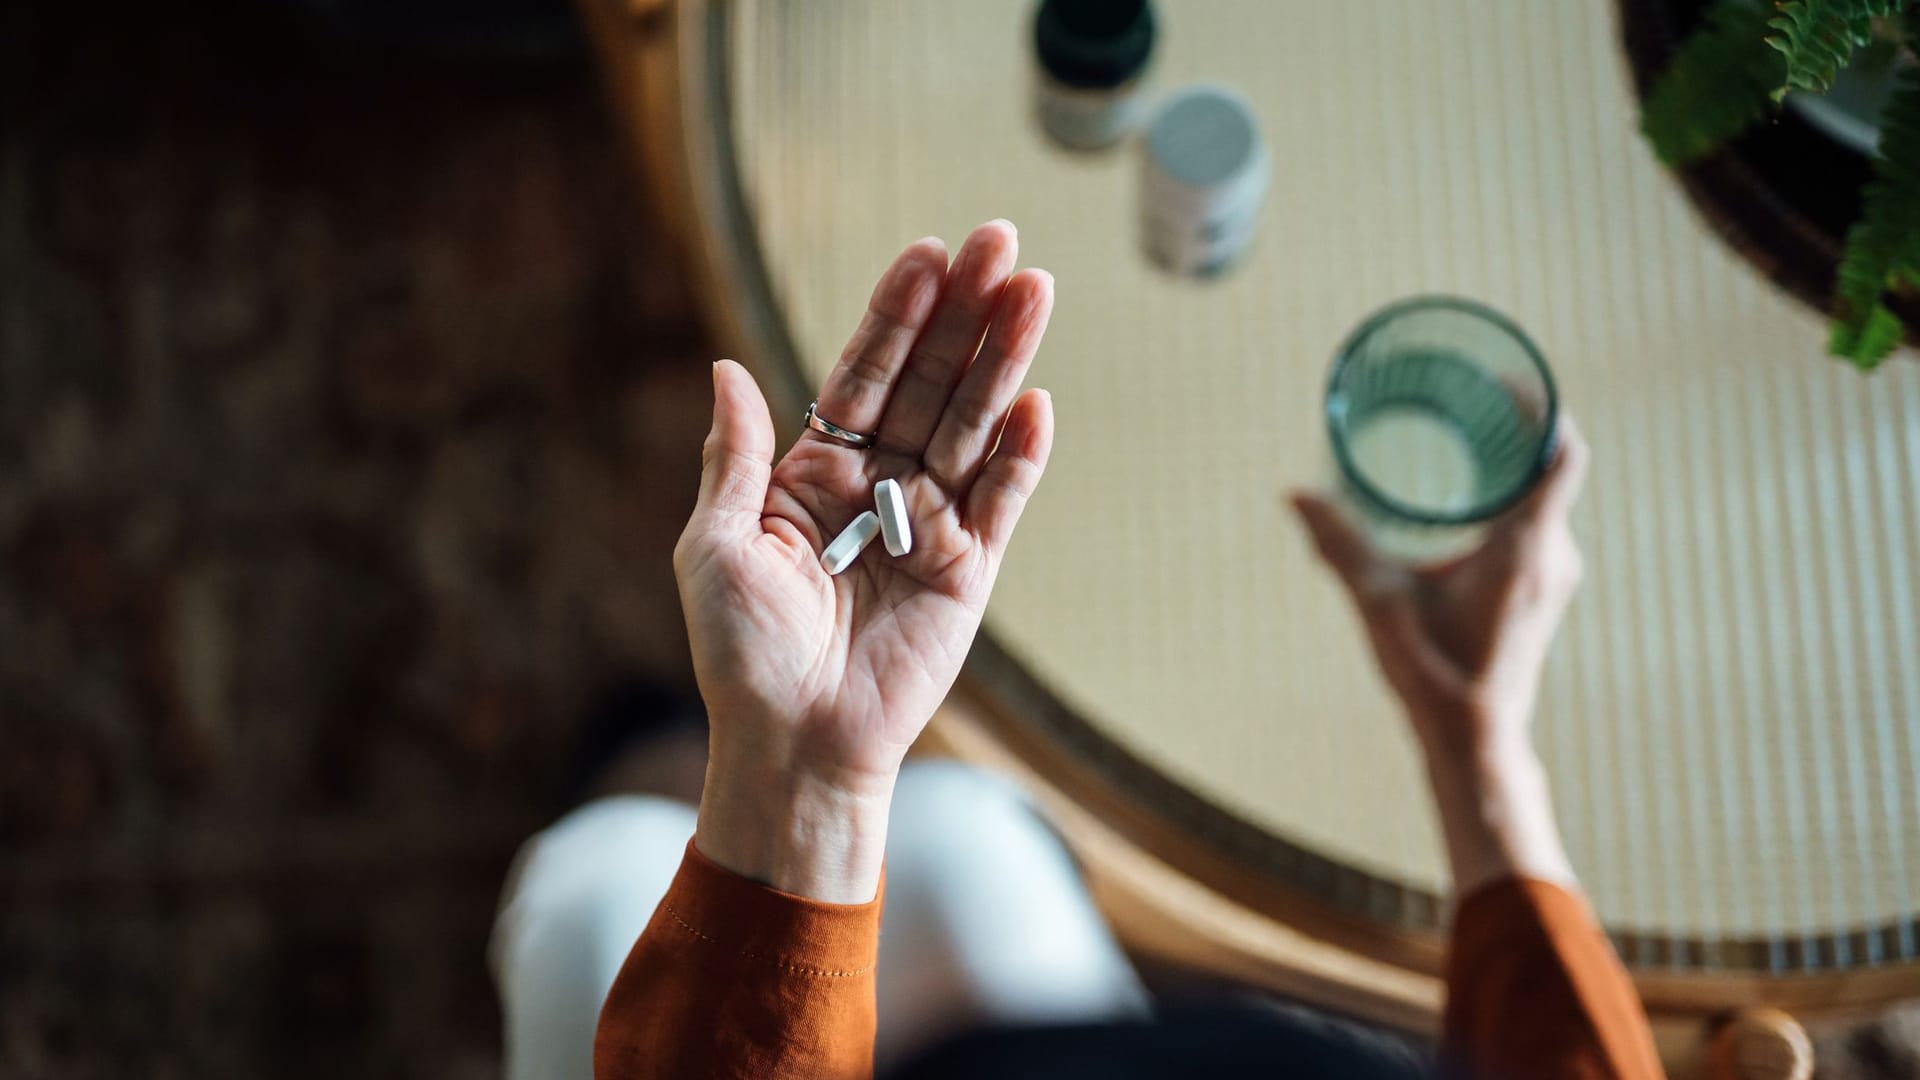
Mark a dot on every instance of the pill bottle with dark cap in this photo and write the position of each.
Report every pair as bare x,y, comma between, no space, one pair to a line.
1093,57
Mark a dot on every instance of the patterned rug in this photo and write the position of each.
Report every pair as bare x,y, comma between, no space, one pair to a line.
349,408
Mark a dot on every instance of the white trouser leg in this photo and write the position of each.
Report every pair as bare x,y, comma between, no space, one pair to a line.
576,900
986,920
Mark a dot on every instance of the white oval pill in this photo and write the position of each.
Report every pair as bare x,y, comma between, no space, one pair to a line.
894,527
851,542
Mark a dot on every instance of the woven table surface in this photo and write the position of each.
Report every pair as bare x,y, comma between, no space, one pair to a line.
1732,712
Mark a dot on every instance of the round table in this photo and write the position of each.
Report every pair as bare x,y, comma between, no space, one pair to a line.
1732,713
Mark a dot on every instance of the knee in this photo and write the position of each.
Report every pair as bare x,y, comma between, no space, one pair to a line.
579,894
962,815
987,914
958,801
607,841
622,820
610,859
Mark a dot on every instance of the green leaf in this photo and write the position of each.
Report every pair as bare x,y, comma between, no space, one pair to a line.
1818,37
1883,247
1868,341
1719,84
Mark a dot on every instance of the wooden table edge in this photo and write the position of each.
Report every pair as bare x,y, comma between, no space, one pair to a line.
1167,896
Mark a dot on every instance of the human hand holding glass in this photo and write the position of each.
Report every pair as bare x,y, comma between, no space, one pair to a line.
1463,643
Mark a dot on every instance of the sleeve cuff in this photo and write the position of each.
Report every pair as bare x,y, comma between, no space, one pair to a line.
1488,916
759,924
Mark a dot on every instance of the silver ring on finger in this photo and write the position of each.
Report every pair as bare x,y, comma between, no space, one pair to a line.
832,430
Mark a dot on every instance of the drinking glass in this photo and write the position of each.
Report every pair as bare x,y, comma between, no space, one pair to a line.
1441,414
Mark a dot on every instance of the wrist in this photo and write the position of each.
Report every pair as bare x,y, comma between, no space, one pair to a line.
812,831
1490,771
1472,732
1496,811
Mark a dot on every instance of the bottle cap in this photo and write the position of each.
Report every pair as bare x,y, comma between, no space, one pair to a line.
1203,177
1094,43
1203,152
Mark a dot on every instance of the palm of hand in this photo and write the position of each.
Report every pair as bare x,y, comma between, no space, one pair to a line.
1468,638
840,673
1481,611
862,658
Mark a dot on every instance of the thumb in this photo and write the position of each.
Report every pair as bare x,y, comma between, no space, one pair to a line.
1341,546
1408,657
736,462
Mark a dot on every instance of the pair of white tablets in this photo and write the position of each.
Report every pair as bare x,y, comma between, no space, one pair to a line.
890,523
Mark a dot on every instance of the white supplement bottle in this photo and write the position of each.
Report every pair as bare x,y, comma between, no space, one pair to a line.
1203,177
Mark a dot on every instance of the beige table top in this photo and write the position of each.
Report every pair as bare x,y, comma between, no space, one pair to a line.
1732,715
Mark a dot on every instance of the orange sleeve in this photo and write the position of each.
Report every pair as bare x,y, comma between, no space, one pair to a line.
1534,990
735,979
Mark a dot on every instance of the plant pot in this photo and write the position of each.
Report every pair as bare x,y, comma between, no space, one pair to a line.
1784,194
1849,114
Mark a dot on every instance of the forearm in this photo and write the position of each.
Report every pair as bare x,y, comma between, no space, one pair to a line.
759,961
1533,987
1535,990
1496,812
733,980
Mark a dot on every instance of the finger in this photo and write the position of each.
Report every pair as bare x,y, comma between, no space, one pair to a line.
1529,397
1010,476
855,393
951,337
1553,497
1407,655
979,404
1340,545
737,460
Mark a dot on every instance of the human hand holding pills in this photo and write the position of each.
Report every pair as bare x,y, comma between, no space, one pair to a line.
820,665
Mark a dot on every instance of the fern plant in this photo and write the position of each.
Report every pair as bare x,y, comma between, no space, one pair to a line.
1732,74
